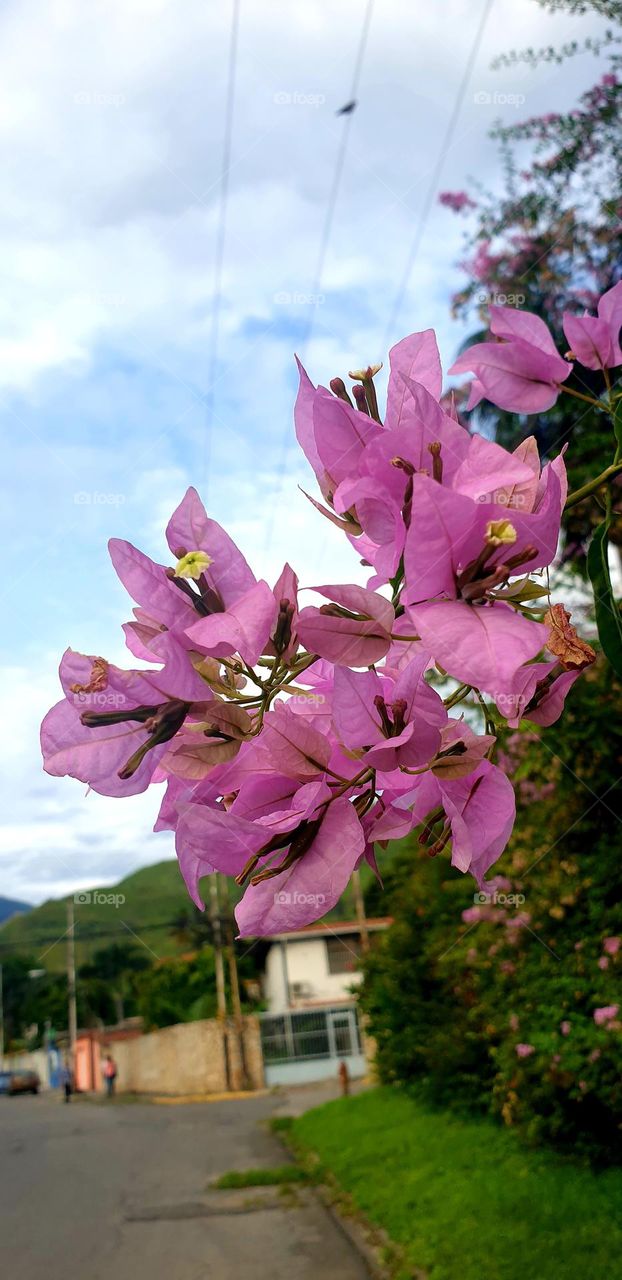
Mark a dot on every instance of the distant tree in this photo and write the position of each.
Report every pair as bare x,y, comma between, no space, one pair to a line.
178,990
30,999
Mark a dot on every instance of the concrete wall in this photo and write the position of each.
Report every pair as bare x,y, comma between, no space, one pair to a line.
190,1058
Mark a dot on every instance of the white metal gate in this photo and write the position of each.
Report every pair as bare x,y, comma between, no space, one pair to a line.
308,1044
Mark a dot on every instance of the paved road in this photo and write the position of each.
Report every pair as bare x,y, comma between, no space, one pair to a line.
94,1190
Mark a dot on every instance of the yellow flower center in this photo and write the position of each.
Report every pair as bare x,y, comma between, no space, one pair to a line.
192,564
500,533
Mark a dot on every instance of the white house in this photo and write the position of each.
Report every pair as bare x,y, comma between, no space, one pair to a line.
315,967
312,1025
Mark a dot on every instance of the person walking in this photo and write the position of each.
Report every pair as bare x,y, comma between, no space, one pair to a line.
66,1079
110,1074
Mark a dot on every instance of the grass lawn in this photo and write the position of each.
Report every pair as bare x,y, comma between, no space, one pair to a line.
461,1197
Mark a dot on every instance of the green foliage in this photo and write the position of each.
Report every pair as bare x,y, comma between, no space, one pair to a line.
29,1001
462,1198
177,991
456,985
608,618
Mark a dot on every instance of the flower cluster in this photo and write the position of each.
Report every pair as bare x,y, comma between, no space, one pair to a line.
294,738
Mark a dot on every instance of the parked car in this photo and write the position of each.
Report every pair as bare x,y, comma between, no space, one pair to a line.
12,1082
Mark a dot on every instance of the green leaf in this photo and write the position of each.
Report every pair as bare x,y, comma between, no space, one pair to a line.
608,619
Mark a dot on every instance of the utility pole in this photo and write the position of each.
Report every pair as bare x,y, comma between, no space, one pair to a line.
71,976
214,912
1,1018
234,987
238,1017
359,904
221,998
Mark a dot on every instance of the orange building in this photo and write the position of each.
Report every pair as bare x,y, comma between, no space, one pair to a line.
90,1049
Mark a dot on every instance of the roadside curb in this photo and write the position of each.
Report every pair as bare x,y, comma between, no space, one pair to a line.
372,1243
176,1100
366,1239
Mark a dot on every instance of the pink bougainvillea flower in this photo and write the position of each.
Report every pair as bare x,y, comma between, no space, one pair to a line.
461,750
522,371
595,340
388,723
113,726
190,529
456,547
331,433
379,514
427,441
291,745
284,637
313,884
441,524
612,946
565,1027
294,876
283,776
482,645
271,798
211,575
212,737
354,630
606,1014
524,1050
477,814
414,359
488,472
538,693
244,628
260,621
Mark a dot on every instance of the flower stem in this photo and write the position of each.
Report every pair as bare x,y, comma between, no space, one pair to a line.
593,485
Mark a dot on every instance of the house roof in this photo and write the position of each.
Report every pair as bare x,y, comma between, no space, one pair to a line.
323,929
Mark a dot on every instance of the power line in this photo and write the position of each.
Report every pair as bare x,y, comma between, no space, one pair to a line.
436,173
221,234
338,171
327,226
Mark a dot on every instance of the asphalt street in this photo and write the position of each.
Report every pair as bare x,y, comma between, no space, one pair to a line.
97,1189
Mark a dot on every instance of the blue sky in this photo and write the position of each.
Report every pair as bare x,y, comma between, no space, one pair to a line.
111,120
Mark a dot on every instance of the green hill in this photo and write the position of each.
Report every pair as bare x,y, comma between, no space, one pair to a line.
140,910
153,898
